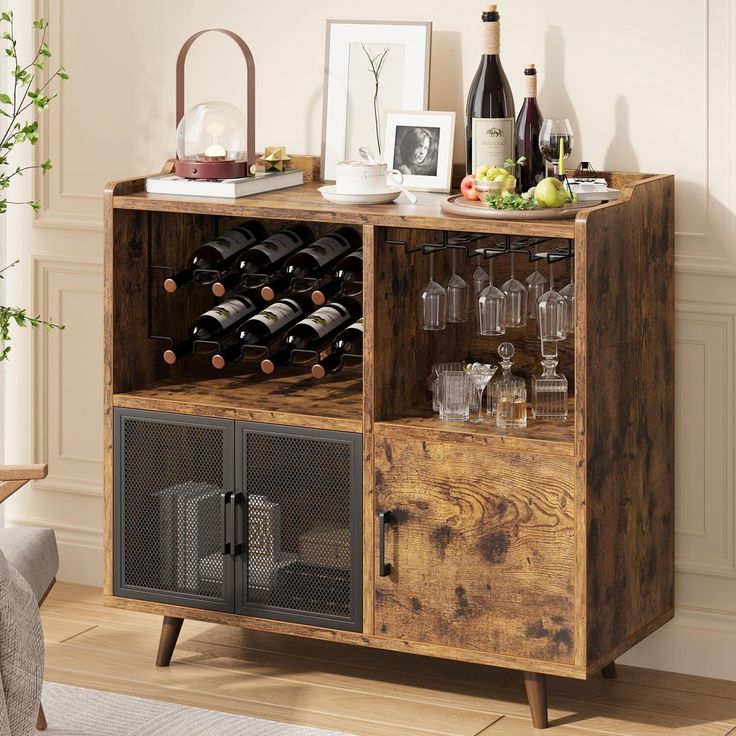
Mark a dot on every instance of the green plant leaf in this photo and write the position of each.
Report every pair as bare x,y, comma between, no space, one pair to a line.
40,24
46,166
5,98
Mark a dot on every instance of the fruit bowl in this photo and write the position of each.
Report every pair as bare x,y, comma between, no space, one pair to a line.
489,186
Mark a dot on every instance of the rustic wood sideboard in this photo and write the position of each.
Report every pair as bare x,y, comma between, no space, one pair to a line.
547,549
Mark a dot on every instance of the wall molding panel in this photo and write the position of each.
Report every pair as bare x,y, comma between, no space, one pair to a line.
68,415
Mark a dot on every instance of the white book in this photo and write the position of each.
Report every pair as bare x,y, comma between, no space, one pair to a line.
229,188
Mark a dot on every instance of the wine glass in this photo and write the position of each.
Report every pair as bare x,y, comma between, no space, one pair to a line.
480,375
551,312
433,302
480,281
516,300
457,295
555,143
535,283
568,292
491,308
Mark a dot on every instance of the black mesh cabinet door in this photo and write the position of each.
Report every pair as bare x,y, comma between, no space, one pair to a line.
298,522
173,495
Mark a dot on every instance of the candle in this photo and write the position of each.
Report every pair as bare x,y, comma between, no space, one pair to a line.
562,156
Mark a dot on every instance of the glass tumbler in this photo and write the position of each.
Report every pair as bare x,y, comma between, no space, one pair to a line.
437,369
454,389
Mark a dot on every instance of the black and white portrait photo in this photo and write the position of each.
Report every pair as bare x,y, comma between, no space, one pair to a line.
416,149
419,145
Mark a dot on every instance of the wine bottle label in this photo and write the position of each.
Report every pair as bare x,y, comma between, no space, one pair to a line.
231,242
493,141
279,245
327,249
326,318
231,311
278,314
357,325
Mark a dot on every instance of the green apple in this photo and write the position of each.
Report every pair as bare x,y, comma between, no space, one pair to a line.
481,171
550,192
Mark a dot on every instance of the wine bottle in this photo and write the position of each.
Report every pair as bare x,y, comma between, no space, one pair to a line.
489,115
218,254
265,328
348,270
214,324
528,125
314,260
314,331
266,257
349,341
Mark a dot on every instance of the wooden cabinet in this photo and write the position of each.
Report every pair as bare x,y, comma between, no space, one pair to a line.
547,549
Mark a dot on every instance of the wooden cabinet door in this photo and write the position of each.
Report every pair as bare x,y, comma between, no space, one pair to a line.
481,545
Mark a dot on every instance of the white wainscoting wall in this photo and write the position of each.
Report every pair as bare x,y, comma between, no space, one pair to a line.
647,86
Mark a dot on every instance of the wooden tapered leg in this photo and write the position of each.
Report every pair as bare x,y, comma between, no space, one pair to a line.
609,671
169,634
41,724
536,693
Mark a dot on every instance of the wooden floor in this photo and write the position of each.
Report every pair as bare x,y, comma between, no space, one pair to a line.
359,691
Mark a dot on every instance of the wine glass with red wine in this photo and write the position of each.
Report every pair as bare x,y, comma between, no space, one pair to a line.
555,139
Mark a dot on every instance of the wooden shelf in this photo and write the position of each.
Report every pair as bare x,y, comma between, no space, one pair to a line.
549,437
307,204
294,398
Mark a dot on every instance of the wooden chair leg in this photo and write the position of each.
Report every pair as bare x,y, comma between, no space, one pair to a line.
609,671
169,634
41,724
536,693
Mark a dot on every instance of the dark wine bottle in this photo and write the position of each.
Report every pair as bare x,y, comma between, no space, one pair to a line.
214,324
528,126
314,260
349,341
265,328
314,331
218,254
266,257
489,115
348,270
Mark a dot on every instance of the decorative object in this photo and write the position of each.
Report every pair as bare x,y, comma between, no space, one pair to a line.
370,67
274,158
419,144
22,98
228,188
86,712
215,140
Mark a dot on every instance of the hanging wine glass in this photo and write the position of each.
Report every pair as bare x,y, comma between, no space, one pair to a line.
551,312
568,293
433,302
480,281
517,298
555,141
491,308
457,295
535,284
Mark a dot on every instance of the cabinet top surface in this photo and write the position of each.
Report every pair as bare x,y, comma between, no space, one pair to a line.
306,203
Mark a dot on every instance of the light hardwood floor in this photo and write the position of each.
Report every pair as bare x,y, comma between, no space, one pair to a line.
359,691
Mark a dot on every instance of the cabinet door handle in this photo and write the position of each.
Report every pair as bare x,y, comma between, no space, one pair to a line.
238,499
225,498
384,568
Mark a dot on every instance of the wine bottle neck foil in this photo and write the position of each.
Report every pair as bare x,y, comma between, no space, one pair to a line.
492,38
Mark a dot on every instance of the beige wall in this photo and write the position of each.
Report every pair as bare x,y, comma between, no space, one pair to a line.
648,86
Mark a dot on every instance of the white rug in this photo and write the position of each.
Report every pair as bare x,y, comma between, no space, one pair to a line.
76,711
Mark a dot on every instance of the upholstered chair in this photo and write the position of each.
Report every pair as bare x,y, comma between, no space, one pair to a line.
32,552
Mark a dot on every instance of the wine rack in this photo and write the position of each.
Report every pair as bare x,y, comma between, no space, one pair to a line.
547,549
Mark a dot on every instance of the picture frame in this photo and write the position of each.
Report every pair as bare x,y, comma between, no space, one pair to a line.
370,67
419,144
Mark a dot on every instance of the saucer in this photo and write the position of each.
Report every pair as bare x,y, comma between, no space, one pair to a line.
387,195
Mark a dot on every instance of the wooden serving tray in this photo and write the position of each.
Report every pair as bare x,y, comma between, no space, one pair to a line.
458,205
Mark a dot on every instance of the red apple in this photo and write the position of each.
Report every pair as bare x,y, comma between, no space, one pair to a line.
467,188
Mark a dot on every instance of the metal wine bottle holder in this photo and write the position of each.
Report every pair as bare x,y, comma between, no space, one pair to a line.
228,169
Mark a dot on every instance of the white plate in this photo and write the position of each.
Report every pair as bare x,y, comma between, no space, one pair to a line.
331,195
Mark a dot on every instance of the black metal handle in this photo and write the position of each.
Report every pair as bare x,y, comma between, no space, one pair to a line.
384,568
237,547
225,498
